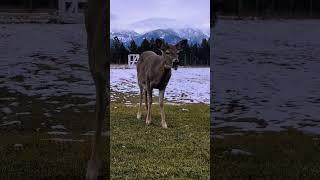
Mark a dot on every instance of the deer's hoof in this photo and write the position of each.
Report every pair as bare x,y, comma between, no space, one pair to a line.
138,116
148,122
93,170
164,125
91,175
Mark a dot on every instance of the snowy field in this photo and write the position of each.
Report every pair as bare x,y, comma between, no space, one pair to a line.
187,85
45,61
266,75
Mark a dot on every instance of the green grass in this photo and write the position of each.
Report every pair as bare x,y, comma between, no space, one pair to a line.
151,152
285,155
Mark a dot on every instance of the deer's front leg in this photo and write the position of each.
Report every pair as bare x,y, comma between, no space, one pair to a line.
99,143
149,94
163,117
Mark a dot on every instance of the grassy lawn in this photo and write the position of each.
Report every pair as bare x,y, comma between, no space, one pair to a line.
283,155
151,152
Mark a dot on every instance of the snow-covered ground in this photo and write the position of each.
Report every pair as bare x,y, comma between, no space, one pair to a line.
187,85
266,75
51,60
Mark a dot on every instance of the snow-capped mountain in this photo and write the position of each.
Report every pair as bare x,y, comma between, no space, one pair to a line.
150,24
125,35
172,36
193,35
168,35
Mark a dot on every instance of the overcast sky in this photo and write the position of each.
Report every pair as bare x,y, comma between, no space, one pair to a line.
194,13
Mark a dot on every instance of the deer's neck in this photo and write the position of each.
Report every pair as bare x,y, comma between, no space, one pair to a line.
167,64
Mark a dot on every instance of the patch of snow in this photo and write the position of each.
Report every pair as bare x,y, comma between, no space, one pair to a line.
18,146
91,133
14,104
63,140
6,123
58,127
240,152
58,133
47,114
6,110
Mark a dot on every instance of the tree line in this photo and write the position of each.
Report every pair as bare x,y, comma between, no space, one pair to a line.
192,54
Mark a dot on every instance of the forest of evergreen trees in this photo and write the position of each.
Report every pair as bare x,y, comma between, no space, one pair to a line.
191,55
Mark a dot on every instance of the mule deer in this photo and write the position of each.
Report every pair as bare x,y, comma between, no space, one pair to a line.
97,27
154,72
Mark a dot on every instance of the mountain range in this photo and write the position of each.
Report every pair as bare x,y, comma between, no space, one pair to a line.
172,36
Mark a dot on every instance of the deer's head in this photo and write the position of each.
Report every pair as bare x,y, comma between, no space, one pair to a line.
171,53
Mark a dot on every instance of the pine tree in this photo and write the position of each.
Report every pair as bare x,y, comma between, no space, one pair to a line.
145,46
123,52
184,54
194,54
204,52
133,48
114,50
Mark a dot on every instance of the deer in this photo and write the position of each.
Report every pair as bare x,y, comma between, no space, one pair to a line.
154,72
97,27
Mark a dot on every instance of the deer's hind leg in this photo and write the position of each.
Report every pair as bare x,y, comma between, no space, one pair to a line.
149,99
163,117
146,99
140,102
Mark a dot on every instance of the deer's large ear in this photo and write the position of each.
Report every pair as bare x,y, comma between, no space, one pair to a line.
182,44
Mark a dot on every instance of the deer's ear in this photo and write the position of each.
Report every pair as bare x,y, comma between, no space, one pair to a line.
182,44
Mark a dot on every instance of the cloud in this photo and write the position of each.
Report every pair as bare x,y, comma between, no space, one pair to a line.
184,12
113,16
